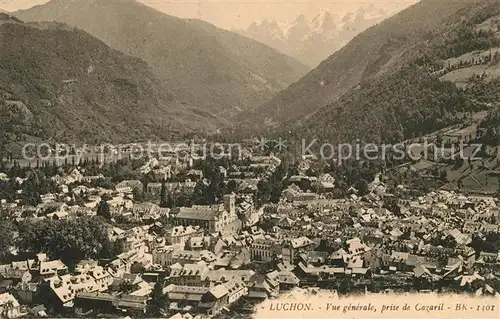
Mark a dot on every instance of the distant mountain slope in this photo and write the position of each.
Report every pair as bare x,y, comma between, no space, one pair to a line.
408,90
379,50
60,83
312,41
197,62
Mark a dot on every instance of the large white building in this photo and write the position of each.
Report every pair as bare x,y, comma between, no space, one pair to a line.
214,218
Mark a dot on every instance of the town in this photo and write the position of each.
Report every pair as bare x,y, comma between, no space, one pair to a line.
182,236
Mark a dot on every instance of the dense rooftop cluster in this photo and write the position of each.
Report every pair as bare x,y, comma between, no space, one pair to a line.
125,244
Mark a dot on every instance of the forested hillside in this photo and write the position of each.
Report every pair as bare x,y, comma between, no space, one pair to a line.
219,71
389,109
414,96
382,49
60,83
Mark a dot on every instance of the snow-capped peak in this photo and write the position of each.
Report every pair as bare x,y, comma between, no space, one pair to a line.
323,22
299,28
271,28
311,39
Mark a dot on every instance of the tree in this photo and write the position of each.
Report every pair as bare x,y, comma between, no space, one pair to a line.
138,194
103,183
163,195
70,240
345,286
263,194
158,301
170,200
31,190
231,187
391,203
447,242
277,182
103,209
127,287
137,268
362,187
305,185
491,243
270,209
183,199
212,192
6,238
8,189
150,176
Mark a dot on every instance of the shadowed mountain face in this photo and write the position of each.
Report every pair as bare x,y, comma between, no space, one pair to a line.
60,83
216,70
354,91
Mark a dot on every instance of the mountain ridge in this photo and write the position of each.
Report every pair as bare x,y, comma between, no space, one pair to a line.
60,83
377,50
313,40
192,62
407,89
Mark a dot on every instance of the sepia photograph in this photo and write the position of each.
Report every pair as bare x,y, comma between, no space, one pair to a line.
196,159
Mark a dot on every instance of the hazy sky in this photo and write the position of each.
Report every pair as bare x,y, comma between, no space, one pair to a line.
238,13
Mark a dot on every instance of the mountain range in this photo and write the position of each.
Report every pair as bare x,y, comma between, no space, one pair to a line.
60,83
216,70
386,82
313,40
156,75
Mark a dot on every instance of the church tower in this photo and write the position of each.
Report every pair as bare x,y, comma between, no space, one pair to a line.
230,203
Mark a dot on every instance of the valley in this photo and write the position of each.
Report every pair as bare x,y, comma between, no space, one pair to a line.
212,69
161,167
